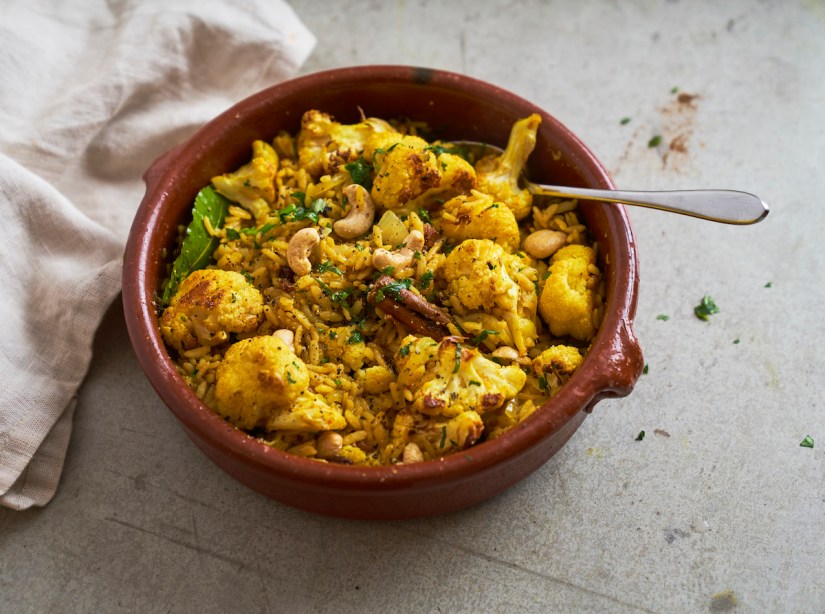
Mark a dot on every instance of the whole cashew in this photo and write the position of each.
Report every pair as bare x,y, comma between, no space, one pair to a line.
360,216
383,258
300,246
544,243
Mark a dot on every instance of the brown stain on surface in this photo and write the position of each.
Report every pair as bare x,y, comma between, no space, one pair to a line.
723,602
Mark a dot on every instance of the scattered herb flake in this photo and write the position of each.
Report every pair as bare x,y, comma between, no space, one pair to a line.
543,385
769,284
640,436
457,357
808,442
355,337
328,266
333,334
424,215
405,350
655,141
674,89
663,317
735,341
443,436
646,370
624,121
473,382
232,234
706,307
425,280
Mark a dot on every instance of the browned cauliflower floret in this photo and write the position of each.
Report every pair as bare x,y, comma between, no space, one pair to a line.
477,278
459,379
258,377
409,173
433,436
558,362
478,216
324,144
498,176
253,185
208,305
309,412
568,299
344,344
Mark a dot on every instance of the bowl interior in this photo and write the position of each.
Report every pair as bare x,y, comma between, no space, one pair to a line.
455,107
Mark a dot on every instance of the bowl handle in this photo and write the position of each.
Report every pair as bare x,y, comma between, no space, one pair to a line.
618,375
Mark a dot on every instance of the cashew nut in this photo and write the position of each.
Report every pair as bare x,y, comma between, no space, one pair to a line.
360,216
412,453
285,335
383,258
328,444
299,248
544,243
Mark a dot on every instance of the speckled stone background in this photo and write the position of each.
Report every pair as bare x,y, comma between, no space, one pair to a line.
718,508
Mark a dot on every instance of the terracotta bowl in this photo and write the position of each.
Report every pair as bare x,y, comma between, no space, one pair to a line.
456,107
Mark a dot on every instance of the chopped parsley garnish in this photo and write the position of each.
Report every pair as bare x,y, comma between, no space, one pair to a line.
457,357
393,289
297,213
640,436
338,296
443,436
655,141
674,89
328,266
663,317
543,385
769,284
706,307
624,121
424,215
232,234
473,382
808,442
735,341
646,369
405,350
355,337
361,172
425,280
480,337
289,378
333,334
248,276
388,270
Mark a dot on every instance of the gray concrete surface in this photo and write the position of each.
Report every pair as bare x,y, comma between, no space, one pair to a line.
717,509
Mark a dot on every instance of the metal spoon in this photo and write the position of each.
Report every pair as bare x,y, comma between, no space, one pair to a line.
726,206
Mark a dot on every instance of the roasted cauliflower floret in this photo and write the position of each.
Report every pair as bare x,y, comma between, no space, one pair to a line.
568,299
415,360
309,412
498,176
253,185
460,380
477,277
409,173
478,216
434,435
208,305
557,363
375,380
344,344
324,144
258,377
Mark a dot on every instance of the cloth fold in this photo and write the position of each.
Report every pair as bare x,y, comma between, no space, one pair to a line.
91,97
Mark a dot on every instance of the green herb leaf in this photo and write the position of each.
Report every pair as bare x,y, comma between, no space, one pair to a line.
473,382
232,234
674,89
328,266
394,289
480,337
808,442
769,284
443,436
405,350
624,121
655,141
735,341
646,369
361,172
705,308
543,385
424,215
663,317
355,337
198,245
640,436
425,280
457,358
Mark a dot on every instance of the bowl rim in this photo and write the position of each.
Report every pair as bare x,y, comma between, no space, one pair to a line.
613,342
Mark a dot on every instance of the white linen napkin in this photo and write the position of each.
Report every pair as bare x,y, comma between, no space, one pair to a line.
92,92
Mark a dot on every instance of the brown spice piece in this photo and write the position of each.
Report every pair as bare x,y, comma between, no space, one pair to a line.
411,310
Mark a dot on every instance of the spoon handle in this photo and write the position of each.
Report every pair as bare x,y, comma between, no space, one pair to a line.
726,206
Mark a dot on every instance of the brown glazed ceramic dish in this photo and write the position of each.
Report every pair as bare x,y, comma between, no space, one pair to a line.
455,107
